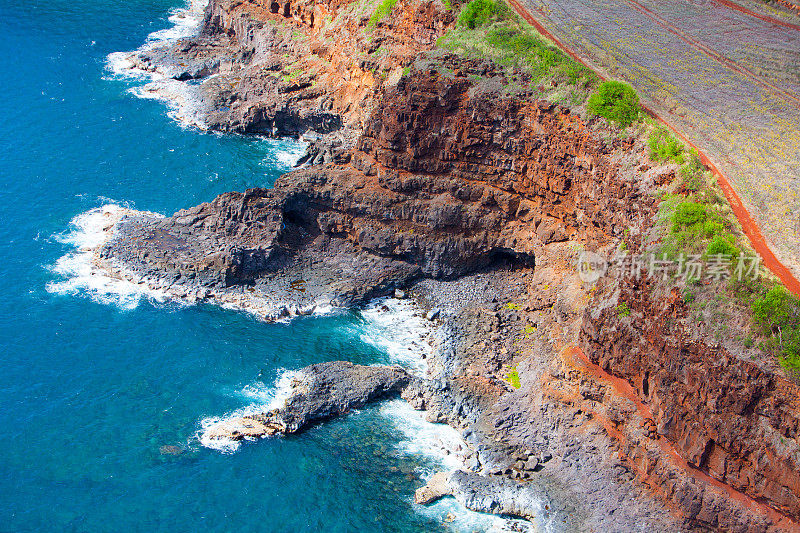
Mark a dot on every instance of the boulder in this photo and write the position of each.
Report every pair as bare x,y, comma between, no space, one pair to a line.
436,488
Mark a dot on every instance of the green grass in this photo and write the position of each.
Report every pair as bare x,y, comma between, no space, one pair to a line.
664,147
479,12
617,102
489,29
383,9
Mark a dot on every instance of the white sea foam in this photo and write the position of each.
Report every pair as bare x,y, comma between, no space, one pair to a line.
445,449
398,328
179,96
288,152
80,274
438,442
265,399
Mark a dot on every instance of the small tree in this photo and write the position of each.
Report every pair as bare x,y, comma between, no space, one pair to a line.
617,102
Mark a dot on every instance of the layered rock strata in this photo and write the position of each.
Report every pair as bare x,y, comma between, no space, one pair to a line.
478,199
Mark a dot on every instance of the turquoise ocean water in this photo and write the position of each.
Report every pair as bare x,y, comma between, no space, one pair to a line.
93,387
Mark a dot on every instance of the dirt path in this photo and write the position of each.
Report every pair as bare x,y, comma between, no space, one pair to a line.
723,75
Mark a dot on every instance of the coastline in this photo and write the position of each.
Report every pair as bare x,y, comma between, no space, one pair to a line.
181,98
460,226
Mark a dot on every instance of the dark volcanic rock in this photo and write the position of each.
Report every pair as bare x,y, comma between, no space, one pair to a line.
326,390
319,392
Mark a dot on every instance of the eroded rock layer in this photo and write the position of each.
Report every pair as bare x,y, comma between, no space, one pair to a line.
427,172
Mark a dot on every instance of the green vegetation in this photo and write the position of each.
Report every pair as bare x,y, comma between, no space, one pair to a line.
383,9
479,12
511,306
665,147
616,102
691,172
777,314
289,76
722,245
489,29
698,227
623,309
698,220
512,377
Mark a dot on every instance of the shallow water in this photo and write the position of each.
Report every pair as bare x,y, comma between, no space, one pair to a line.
103,399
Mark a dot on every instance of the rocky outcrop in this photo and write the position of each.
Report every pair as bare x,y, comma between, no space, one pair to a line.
294,67
449,178
726,417
435,174
319,392
501,496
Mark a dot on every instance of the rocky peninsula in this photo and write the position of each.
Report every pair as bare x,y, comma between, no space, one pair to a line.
441,176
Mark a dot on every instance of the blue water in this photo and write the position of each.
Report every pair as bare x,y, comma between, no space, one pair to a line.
91,391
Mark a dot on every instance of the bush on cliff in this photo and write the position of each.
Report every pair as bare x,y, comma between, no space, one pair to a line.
616,102
722,245
664,147
479,12
777,313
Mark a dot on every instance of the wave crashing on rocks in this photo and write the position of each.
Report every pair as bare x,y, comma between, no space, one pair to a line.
80,271
181,97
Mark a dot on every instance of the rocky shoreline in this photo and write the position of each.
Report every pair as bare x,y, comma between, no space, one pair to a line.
427,178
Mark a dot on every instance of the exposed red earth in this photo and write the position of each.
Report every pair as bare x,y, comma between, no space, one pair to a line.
577,358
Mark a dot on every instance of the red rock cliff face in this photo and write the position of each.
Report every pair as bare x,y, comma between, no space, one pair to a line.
724,416
726,430
549,174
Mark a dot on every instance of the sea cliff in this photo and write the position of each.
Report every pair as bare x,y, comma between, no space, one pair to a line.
439,175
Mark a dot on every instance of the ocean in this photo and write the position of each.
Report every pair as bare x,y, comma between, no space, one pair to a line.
106,390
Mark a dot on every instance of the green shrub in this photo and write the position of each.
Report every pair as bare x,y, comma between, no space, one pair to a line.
691,171
623,309
688,215
664,147
777,313
381,11
617,102
790,353
479,12
776,310
512,377
722,245
712,228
